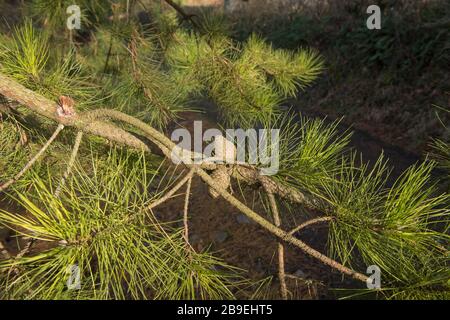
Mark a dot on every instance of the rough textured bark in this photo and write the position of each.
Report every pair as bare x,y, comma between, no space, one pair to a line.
47,108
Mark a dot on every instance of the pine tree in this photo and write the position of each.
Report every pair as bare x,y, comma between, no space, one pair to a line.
129,81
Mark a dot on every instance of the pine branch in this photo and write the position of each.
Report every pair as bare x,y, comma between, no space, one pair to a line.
251,176
89,122
47,108
31,241
185,214
281,270
4,186
73,156
279,232
172,191
310,222
26,249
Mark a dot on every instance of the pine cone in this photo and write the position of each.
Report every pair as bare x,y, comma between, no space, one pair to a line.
222,178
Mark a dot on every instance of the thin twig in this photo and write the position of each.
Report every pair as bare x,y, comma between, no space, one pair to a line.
281,269
108,55
14,268
185,16
23,136
8,256
277,231
31,241
4,186
76,147
129,218
73,156
185,213
308,223
26,249
172,191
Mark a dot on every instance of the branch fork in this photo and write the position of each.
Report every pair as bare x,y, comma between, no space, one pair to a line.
95,122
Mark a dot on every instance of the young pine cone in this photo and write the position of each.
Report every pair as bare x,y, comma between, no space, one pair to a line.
222,178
